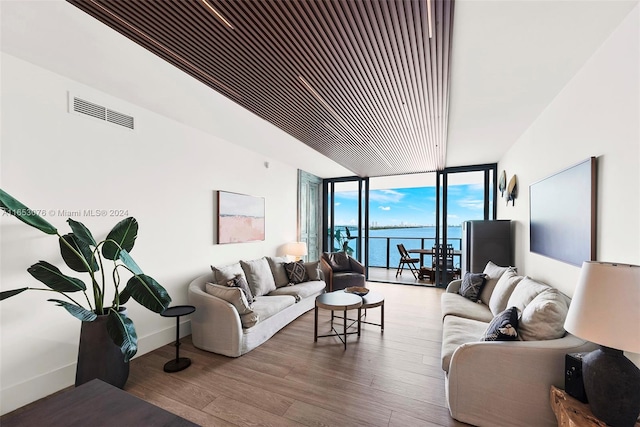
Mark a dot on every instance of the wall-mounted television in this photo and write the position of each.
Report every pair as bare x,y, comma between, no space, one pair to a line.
562,214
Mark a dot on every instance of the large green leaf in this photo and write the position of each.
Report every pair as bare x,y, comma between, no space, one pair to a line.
148,293
124,296
24,214
122,236
72,259
13,292
76,310
129,262
51,276
123,333
81,232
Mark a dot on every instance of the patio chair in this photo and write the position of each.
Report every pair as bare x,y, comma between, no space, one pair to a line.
406,260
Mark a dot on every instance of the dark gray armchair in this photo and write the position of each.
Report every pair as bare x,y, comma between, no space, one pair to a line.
341,271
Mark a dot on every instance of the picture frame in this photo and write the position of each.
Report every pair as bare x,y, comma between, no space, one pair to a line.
241,218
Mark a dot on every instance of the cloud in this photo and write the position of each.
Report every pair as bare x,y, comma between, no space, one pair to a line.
471,203
385,208
386,196
337,204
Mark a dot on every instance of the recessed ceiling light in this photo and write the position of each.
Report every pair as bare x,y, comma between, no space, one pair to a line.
218,14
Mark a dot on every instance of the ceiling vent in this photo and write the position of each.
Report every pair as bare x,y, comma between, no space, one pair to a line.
82,106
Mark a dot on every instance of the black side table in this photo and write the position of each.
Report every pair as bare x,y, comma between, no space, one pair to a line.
179,363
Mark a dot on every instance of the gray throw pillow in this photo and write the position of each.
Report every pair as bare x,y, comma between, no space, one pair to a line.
543,318
313,270
277,268
233,296
240,282
472,285
297,272
221,275
259,276
503,327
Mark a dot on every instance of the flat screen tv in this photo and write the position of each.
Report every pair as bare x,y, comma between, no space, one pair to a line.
562,214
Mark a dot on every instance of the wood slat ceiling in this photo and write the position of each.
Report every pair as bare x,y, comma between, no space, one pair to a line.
359,81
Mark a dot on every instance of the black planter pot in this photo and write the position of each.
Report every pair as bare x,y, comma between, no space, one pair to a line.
99,357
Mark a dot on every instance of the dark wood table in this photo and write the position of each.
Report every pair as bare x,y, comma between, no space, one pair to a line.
337,300
95,404
423,252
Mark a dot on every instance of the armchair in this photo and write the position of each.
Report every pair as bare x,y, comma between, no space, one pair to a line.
341,271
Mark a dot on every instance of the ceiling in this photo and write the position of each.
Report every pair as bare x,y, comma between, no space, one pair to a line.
509,59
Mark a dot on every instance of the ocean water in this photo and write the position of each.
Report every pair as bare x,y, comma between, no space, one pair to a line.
385,240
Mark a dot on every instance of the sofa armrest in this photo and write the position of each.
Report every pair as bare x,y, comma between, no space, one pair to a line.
454,286
507,383
215,325
356,266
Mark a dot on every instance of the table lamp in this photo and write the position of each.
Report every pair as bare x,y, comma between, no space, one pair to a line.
297,249
605,310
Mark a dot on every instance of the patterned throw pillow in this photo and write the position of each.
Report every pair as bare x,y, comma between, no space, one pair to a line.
503,327
297,272
472,285
240,282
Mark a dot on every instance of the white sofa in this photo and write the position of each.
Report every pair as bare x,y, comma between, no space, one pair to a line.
217,326
505,383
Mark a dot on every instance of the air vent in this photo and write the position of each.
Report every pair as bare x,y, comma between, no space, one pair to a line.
87,108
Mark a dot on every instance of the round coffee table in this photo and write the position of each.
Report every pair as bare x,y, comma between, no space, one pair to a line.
337,300
372,300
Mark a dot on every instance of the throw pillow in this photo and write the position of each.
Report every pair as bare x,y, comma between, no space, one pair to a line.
503,327
233,296
240,282
502,291
525,292
249,319
297,272
543,318
221,275
277,268
339,261
259,276
313,270
472,285
493,272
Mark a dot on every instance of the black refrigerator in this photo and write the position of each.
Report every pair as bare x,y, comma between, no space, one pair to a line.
484,241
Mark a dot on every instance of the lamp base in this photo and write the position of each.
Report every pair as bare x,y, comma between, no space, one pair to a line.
611,385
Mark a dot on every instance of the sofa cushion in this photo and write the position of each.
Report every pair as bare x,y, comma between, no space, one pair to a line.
301,290
250,319
525,292
503,327
457,331
472,285
313,270
277,269
502,291
456,305
543,318
221,275
234,296
493,272
259,276
240,282
339,261
296,272
267,306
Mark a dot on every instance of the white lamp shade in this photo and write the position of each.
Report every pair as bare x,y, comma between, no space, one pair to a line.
605,308
297,249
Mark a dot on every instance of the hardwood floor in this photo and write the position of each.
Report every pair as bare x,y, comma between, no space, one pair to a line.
391,379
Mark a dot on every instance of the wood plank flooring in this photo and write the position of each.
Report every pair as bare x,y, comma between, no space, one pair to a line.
391,379
387,380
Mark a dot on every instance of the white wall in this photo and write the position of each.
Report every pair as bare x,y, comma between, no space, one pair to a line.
164,174
596,114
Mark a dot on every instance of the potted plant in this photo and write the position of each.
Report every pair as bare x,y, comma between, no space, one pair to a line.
108,337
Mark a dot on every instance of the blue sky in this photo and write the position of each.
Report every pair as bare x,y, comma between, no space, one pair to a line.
411,206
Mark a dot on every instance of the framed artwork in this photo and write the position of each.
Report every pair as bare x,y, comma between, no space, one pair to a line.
240,218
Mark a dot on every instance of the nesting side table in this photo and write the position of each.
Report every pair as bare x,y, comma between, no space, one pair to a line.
179,363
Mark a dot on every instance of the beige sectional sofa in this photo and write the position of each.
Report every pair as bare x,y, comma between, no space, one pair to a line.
225,322
505,383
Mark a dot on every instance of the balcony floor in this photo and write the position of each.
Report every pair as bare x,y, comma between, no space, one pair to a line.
379,274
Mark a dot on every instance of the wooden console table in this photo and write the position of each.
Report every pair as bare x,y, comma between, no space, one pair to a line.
94,403
570,412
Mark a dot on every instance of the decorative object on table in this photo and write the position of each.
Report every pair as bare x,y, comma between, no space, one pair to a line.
358,290
179,363
512,191
573,380
604,310
241,218
102,354
297,250
502,183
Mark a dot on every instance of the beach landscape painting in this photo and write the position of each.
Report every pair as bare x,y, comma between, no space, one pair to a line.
240,218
